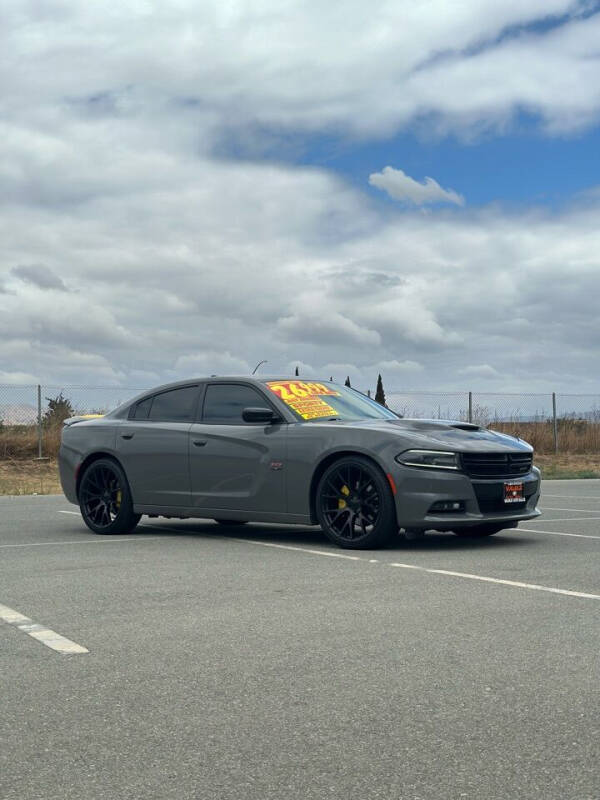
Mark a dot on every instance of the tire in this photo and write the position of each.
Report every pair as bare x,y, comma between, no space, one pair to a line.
105,498
231,521
478,532
354,504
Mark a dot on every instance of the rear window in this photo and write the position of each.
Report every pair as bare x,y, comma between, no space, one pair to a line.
176,405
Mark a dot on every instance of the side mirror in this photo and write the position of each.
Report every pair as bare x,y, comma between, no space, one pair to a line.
265,415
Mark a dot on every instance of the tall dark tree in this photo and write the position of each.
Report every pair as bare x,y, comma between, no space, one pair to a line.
297,371
59,409
347,381
380,394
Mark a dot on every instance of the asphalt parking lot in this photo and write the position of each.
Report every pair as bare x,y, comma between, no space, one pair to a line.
261,662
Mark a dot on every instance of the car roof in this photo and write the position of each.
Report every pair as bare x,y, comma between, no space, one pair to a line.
252,379
234,378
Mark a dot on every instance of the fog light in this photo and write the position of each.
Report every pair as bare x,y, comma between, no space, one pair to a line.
448,506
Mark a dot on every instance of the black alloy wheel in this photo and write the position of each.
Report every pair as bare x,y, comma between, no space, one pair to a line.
354,504
105,498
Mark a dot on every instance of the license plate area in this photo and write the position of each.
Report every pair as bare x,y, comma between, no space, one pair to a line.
513,492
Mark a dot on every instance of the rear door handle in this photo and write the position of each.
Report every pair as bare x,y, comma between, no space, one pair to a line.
200,442
127,436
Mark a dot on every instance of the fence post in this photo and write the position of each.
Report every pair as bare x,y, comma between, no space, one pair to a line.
554,423
470,406
39,420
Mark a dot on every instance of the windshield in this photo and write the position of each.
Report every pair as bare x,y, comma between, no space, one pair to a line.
314,402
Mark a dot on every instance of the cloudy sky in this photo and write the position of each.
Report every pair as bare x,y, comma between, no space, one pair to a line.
409,187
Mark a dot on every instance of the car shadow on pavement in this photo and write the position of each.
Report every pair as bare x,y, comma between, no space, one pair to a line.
304,536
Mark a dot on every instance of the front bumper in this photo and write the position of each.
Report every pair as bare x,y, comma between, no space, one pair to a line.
418,489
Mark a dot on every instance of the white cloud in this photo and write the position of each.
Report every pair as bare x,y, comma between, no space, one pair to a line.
39,275
395,367
402,187
480,371
326,326
211,363
17,378
178,262
312,66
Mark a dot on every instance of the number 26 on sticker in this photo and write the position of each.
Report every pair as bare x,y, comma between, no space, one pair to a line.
292,390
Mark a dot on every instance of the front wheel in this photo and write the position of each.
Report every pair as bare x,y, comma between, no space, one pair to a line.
354,504
105,498
478,531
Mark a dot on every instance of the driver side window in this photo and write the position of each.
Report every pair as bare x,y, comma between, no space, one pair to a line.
225,402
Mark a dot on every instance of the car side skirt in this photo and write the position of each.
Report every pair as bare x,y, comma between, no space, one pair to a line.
223,513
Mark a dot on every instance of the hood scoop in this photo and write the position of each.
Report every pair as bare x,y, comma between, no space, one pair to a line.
438,424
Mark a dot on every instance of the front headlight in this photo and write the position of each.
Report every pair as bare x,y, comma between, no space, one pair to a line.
434,459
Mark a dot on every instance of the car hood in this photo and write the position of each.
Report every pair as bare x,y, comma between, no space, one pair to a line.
441,435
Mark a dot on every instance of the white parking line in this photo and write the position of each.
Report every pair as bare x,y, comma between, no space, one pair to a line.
44,635
581,510
467,575
107,540
560,533
77,513
565,519
574,497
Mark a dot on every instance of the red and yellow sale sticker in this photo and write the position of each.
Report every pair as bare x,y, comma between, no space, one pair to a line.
305,398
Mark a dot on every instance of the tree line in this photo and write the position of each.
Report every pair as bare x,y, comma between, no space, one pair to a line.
379,391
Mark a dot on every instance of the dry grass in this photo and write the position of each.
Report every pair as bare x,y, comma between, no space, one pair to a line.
575,436
584,465
21,442
29,477
579,457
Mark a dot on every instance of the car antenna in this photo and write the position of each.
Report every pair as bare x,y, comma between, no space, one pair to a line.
264,361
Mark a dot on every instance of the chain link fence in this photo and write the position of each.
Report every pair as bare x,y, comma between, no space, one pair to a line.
31,416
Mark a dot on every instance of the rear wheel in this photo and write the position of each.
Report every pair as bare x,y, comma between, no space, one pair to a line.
105,499
478,531
354,504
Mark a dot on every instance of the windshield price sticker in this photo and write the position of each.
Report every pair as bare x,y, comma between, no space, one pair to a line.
305,398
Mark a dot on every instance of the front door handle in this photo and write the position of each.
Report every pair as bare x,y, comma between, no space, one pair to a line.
200,442
127,436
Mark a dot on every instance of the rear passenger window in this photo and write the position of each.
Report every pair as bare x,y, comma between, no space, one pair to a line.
176,405
224,403
142,409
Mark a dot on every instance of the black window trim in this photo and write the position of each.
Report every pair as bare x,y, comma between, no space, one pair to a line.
198,403
268,404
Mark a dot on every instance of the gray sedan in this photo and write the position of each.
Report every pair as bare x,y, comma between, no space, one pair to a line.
294,452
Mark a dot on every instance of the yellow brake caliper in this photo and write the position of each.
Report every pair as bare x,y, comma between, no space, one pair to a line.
118,500
346,491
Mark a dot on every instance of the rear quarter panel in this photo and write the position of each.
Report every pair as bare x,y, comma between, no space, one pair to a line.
78,442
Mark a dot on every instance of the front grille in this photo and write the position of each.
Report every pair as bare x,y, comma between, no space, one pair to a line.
496,465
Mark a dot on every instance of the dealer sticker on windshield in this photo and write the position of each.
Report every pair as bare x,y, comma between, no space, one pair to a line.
305,398
513,492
